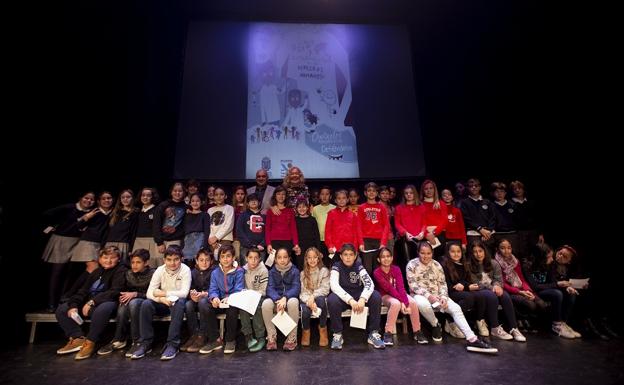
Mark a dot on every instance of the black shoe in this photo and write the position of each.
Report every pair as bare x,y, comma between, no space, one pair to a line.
436,333
593,330
420,338
480,346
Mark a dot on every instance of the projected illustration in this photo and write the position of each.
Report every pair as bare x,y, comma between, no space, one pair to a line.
299,97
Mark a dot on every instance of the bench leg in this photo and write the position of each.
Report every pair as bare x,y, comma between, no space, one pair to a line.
33,328
221,328
404,325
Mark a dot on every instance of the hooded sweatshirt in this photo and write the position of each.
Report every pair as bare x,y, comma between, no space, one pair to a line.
257,279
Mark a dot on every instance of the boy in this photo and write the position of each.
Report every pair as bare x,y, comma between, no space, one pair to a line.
256,278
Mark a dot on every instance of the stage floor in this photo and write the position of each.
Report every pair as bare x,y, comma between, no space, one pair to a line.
544,359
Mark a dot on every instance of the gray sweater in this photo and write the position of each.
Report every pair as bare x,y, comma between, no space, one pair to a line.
487,280
257,279
320,280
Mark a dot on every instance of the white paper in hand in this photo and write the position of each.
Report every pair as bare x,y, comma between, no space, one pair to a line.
436,243
224,304
579,283
316,313
358,320
246,300
270,259
48,230
283,322
331,256
172,298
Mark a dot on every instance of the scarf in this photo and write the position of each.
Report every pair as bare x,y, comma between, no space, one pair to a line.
509,272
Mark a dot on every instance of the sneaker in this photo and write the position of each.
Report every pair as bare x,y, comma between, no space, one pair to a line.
141,350
261,342
73,345
86,350
499,332
576,334
420,338
106,349
230,347
515,333
374,338
452,329
212,346
250,341
272,344
290,344
169,352
133,348
337,341
388,339
119,344
436,333
480,346
562,331
482,328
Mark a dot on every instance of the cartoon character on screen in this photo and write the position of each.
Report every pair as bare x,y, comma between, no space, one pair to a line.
269,103
296,105
309,121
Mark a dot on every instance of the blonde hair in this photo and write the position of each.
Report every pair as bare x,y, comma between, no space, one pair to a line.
307,279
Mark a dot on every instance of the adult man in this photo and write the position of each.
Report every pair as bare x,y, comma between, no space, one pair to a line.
262,189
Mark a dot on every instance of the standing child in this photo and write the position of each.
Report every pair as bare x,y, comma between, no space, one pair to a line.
307,231
342,226
479,215
390,282
281,230
256,278
196,229
348,281
283,295
130,300
250,228
239,204
409,218
455,228
227,279
314,291
319,212
375,224
198,298
435,217
169,219
145,227
221,221
166,295
122,224
354,201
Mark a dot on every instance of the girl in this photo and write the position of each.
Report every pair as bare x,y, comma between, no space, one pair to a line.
314,291
122,224
210,197
196,229
320,212
354,201
457,282
283,295
307,231
256,278
455,228
428,287
238,203
281,229
486,277
384,198
169,219
390,282
409,218
375,225
96,299
221,221
227,279
65,237
145,226
198,298
130,300
342,226
435,217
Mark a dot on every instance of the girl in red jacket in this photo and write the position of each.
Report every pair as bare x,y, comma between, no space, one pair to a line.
455,228
342,226
435,216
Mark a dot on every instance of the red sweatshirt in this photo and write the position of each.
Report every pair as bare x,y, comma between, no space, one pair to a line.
342,227
516,290
455,228
374,221
281,227
391,284
409,218
436,217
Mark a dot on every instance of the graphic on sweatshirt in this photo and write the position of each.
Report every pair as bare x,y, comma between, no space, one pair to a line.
173,219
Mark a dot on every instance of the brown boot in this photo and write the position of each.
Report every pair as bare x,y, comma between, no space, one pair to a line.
73,345
188,343
305,337
199,343
86,350
323,340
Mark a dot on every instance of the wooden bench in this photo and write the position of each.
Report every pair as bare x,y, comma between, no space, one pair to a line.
35,318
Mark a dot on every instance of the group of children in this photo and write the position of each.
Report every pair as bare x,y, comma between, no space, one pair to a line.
305,279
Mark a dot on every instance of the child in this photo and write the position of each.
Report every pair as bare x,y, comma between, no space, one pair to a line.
250,228
428,286
281,230
354,201
192,187
375,224
145,226
457,282
393,295
166,294
96,299
130,300
342,226
505,215
409,218
256,278
527,220
314,291
227,279
319,212
283,295
198,298
348,281
455,229
479,215
384,198
435,216
221,221
169,219
486,278
307,231
196,229
122,224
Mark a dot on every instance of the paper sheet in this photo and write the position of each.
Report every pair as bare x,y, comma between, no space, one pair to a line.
283,322
579,283
246,300
270,259
358,320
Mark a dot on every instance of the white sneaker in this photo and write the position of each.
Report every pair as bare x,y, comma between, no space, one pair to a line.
517,335
452,329
499,332
576,334
482,328
562,331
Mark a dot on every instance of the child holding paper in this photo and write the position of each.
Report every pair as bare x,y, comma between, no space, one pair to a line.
314,291
375,224
283,295
348,281
256,278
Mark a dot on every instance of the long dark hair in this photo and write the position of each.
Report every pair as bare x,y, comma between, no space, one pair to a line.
473,264
450,265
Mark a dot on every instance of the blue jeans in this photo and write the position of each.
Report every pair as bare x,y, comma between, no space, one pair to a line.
129,312
100,315
150,308
337,306
195,325
306,313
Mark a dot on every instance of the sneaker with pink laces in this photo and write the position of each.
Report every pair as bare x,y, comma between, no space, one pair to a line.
271,343
499,332
562,331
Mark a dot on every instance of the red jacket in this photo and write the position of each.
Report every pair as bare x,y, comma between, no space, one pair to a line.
409,218
455,228
342,227
391,284
436,217
281,227
374,221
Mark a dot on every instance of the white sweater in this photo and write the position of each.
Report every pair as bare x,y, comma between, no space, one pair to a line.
177,284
